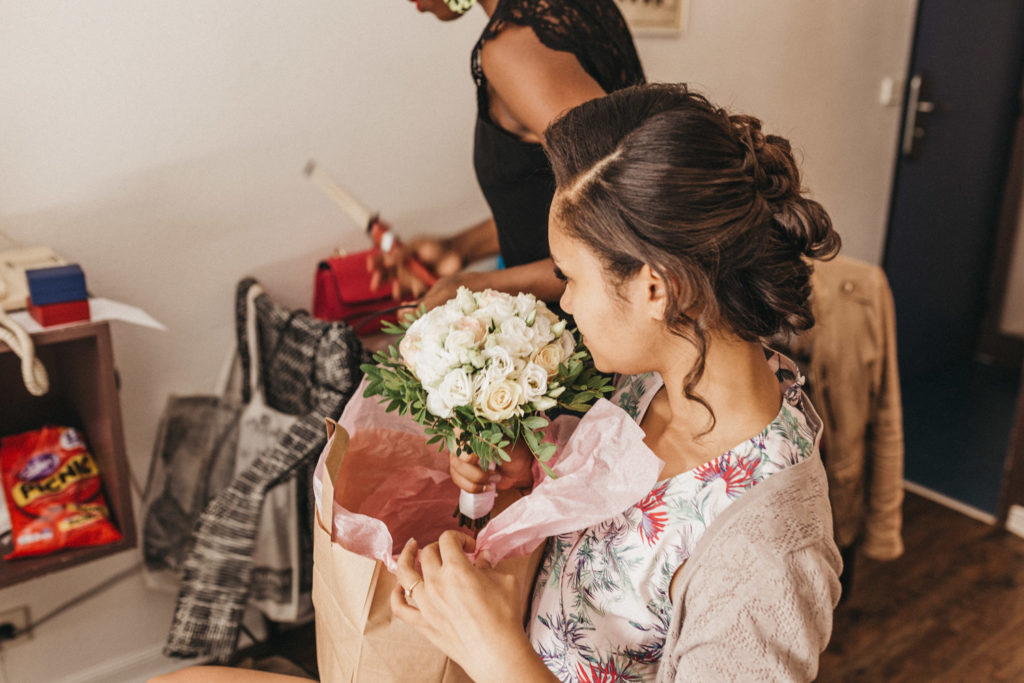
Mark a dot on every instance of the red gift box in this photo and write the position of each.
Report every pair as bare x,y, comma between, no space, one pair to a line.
58,314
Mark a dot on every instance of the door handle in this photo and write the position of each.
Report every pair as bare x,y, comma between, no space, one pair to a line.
915,106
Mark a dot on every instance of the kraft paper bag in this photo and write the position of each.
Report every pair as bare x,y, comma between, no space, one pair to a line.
378,483
357,639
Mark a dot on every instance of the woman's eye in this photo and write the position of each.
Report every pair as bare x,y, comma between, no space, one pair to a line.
560,275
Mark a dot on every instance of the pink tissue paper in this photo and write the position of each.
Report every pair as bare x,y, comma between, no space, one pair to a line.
396,486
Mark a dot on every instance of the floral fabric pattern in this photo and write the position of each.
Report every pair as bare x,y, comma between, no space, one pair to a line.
601,607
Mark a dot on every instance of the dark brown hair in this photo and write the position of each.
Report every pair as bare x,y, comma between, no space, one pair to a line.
656,174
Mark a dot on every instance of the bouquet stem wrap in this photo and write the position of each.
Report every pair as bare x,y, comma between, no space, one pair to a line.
475,507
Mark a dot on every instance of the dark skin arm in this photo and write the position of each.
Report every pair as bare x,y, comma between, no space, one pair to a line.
529,85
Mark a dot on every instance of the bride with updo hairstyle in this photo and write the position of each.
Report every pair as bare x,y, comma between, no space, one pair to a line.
657,175
685,242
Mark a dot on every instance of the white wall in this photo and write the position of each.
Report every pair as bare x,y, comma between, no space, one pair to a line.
812,72
161,146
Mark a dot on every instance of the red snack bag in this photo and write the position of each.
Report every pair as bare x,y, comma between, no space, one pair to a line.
52,486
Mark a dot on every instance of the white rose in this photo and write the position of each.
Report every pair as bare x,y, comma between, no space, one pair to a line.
432,364
534,381
459,343
514,336
456,389
495,306
541,330
499,401
481,382
437,406
499,363
525,304
465,335
548,357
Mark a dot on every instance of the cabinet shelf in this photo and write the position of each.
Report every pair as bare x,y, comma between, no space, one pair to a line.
83,393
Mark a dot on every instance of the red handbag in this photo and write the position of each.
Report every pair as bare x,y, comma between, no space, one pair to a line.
342,292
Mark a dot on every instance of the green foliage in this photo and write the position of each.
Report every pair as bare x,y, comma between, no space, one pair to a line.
390,379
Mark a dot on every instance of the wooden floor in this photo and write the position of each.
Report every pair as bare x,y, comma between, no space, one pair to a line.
951,609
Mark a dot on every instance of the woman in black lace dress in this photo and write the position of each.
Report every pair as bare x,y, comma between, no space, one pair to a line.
534,60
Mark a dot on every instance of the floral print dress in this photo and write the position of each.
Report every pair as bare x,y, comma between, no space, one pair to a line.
601,606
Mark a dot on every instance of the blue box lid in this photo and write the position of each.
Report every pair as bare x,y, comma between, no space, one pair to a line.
56,284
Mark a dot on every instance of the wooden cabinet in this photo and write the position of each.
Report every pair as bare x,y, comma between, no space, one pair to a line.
83,393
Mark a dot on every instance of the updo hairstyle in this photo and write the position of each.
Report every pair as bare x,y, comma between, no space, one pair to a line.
655,174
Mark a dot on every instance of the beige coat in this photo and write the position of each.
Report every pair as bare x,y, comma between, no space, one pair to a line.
854,384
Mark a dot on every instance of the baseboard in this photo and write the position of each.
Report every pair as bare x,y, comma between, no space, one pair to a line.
952,503
132,668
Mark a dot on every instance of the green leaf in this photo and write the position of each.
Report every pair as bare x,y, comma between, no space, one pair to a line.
535,422
545,451
531,440
548,471
478,446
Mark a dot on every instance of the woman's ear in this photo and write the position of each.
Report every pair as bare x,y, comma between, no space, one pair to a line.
655,292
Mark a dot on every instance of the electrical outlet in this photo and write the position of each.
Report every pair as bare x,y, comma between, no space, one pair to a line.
19,618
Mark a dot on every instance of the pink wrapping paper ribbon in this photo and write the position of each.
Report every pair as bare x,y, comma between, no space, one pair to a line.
602,452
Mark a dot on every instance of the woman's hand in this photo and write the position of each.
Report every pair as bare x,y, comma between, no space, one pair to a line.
439,256
468,476
468,612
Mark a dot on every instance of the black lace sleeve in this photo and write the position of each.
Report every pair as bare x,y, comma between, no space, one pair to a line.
593,30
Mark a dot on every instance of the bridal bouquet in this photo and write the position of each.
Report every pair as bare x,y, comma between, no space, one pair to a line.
479,372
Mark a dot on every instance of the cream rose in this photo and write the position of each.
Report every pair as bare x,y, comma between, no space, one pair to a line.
568,344
498,401
548,357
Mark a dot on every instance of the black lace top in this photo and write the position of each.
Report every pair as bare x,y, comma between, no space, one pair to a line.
515,176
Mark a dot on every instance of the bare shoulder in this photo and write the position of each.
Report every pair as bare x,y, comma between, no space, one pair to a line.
533,82
517,49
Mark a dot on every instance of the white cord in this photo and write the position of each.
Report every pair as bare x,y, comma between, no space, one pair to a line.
32,370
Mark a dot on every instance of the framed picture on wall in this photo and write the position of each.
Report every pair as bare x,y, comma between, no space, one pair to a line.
655,17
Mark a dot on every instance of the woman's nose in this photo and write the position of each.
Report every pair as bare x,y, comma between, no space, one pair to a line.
565,302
